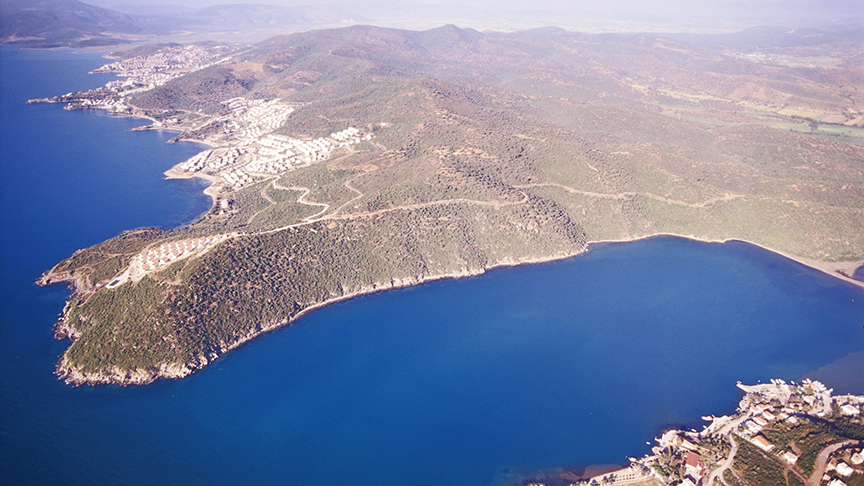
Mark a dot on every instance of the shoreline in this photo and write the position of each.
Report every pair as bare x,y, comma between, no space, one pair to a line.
73,376
839,270
208,191
833,269
774,406
171,173
76,377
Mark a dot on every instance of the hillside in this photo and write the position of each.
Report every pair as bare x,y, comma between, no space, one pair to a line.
474,150
54,23
71,23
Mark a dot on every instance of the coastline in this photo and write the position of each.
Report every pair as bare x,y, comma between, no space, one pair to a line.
170,173
398,283
839,270
842,270
294,373
208,191
76,377
766,417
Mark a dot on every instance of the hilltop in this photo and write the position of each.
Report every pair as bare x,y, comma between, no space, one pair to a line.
352,160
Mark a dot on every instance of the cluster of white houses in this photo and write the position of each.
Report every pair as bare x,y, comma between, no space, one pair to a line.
268,155
245,146
114,105
166,253
211,159
781,402
252,118
167,63
274,154
237,178
143,73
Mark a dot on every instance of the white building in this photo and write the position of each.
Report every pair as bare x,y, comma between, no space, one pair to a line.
844,469
848,409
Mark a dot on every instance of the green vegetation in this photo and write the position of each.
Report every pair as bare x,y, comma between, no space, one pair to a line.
730,478
124,333
668,466
810,435
792,480
251,284
854,480
488,150
202,91
105,260
757,469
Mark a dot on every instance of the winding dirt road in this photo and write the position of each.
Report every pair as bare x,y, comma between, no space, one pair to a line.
718,473
822,460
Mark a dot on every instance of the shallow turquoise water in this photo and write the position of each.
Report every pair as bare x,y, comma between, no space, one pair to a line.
573,362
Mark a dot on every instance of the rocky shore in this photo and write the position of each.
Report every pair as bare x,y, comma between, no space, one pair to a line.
74,375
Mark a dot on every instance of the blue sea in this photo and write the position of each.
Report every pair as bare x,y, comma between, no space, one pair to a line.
471,382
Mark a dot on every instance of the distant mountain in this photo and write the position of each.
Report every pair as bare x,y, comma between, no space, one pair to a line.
53,23
139,8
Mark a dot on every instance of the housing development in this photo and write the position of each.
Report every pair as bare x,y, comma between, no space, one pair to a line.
265,156
143,73
163,255
241,131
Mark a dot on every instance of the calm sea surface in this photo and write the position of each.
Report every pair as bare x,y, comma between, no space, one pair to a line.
570,363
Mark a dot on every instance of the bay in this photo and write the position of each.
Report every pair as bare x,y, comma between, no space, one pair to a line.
573,362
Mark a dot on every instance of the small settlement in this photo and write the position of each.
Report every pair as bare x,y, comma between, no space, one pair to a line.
159,257
245,147
143,73
781,434
245,150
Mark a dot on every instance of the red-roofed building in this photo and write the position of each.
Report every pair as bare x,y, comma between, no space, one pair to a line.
693,465
761,442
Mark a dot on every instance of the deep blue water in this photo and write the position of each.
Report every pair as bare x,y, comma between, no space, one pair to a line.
858,274
570,363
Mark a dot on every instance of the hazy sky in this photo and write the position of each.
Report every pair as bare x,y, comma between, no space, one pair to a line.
674,15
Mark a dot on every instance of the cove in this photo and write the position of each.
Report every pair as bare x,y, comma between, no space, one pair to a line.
574,362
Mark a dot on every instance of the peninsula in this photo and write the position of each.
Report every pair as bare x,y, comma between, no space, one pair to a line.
352,160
